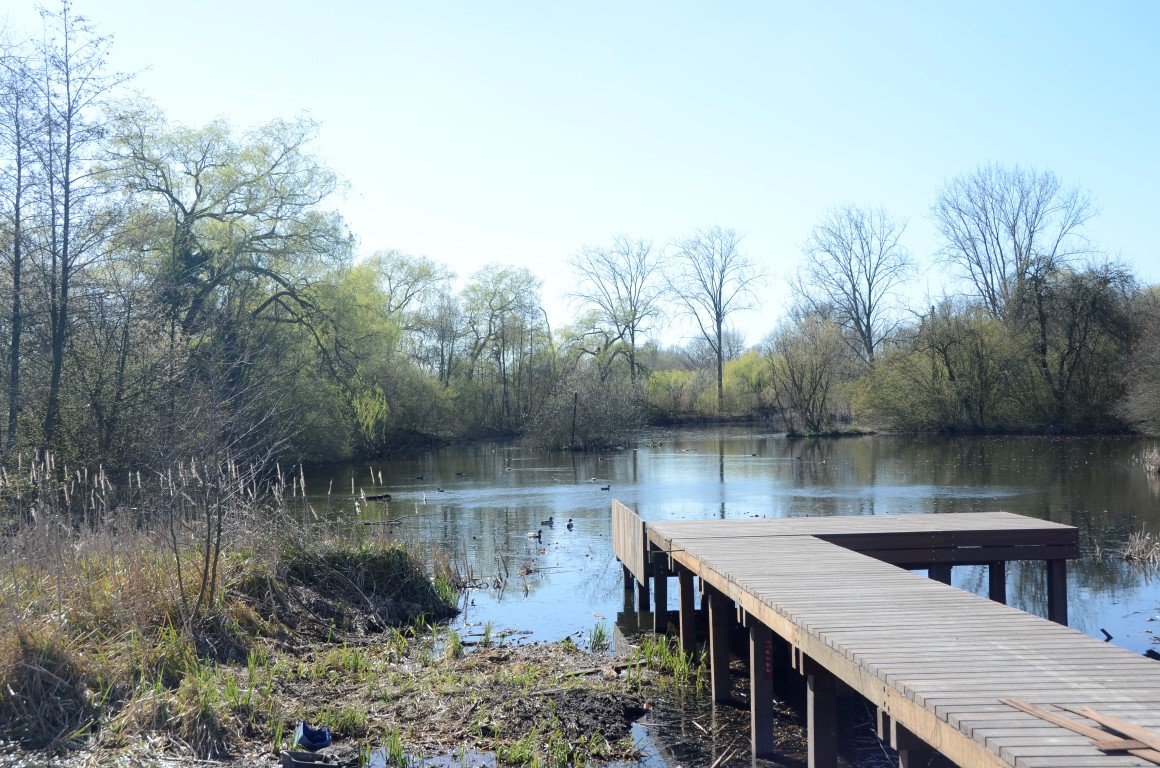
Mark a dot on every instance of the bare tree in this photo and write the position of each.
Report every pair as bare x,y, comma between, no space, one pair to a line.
854,262
620,282
1005,228
712,279
698,354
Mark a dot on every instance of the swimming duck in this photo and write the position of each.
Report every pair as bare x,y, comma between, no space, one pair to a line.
548,523
535,535
569,523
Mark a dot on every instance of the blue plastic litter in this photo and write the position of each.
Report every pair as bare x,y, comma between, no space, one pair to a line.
311,739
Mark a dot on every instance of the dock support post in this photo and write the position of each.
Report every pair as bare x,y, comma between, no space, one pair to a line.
688,609
1057,591
760,688
821,715
642,594
940,572
720,622
660,598
997,581
913,752
882,725
629,589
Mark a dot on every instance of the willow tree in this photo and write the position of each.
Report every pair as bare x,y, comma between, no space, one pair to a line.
243,238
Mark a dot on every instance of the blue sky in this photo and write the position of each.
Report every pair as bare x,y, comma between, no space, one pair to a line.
520,132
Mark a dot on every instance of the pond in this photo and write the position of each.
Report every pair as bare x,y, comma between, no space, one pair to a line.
483,500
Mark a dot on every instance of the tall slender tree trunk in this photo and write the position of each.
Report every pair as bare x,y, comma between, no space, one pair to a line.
60,287
17,317
17,322
720,368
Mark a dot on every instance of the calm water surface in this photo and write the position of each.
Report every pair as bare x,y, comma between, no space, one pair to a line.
483,500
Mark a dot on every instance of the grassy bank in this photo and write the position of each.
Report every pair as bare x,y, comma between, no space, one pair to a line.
201,618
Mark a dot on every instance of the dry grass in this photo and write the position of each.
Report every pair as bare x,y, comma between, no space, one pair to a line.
1142,547
120,613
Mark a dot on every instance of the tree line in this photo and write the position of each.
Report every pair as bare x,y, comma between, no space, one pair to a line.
176,291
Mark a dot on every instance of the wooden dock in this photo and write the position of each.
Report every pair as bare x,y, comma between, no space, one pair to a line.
832,599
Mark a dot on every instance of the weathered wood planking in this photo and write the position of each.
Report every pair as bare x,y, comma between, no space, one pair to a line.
936,659
629,542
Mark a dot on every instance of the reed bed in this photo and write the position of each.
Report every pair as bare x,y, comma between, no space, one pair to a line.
149,604
1142,547
1151,461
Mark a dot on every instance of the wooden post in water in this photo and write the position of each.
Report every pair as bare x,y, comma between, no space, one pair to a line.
940,572
997,581
642,594
760,687
1057,591
660,596
629,588
688,609
720,622
821,715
